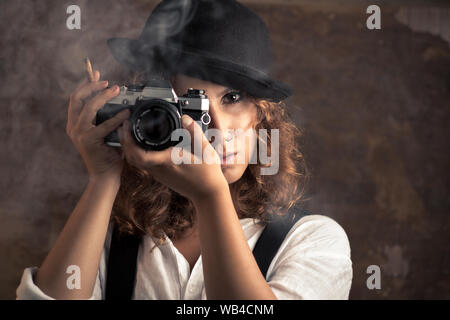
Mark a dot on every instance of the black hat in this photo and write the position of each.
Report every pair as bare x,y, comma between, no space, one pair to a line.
221,41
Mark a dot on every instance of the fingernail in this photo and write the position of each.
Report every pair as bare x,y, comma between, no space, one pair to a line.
103,83
186,120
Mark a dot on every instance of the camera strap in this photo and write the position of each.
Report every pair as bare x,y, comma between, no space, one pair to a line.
122,260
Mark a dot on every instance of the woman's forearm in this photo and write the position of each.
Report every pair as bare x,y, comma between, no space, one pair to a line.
230,270
80,243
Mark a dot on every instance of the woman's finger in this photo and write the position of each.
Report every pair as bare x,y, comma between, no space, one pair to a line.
208,153
103,129
90,109
85,89
138,156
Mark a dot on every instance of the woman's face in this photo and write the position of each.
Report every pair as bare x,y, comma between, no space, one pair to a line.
229,109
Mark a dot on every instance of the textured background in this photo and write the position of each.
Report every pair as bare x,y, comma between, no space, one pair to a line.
375,107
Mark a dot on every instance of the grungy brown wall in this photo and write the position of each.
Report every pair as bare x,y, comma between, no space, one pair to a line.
374,106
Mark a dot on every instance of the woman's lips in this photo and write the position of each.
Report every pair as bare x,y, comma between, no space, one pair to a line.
229,159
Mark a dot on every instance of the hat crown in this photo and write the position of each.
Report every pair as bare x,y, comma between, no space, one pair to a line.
223,29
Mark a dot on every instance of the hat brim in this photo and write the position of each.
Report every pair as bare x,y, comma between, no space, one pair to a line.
167,59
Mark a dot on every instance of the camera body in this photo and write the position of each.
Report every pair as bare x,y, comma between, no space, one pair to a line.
155,112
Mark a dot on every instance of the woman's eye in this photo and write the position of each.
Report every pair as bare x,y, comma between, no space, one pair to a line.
232,97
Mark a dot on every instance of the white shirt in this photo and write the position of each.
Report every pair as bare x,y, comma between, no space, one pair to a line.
313,262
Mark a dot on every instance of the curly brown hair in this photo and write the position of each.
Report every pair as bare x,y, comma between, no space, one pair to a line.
144,206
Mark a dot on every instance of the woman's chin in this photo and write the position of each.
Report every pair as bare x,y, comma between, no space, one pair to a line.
233,172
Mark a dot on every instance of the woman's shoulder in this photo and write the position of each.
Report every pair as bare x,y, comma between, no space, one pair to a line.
313,262
317,230
314,221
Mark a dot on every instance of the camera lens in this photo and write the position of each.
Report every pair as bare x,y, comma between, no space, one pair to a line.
153,123
156,125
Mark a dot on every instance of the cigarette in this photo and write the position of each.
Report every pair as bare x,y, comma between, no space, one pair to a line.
88,69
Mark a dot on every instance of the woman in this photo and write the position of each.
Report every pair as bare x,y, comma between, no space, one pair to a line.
199,222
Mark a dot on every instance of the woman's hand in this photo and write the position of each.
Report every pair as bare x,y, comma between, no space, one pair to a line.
100,159
196,180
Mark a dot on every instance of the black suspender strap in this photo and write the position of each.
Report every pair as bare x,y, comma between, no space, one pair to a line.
121,274
123,252
272,237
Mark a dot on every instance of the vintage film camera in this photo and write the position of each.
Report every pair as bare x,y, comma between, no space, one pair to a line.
155,112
